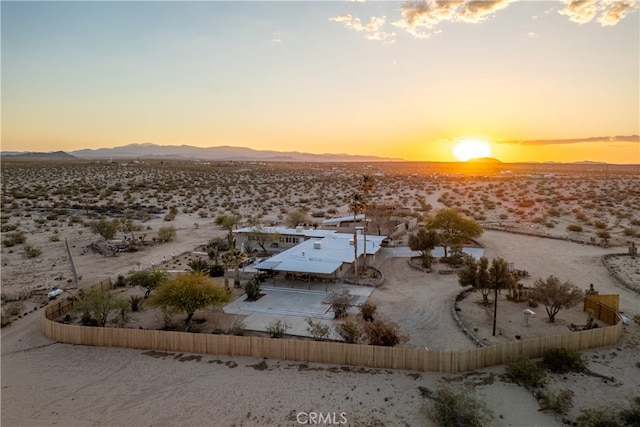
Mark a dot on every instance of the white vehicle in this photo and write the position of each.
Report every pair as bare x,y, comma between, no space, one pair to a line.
54,293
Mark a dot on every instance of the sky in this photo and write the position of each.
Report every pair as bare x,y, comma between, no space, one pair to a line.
537,80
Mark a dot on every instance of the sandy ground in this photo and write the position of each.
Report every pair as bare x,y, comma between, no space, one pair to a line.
47,383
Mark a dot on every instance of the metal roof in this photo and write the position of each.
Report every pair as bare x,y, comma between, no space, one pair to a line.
321,256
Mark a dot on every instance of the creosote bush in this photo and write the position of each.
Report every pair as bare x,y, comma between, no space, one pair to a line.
318,330
558,403
252,289
349,331
368,311
525,373
385,333
561,361
458,409
277,328
340,303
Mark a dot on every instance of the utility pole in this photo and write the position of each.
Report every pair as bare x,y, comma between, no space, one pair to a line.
495,307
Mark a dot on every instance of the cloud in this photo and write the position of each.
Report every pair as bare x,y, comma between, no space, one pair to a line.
419,18
611,11
615,13
372,29
617,138
478,10
532,35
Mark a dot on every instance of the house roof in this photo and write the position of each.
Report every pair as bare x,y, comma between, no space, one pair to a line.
287,231
359,217
320,256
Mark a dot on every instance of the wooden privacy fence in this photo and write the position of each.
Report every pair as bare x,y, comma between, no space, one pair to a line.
415,359
604,307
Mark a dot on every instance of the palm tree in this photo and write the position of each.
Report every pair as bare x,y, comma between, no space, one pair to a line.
356,205
227,263
367,185
236,256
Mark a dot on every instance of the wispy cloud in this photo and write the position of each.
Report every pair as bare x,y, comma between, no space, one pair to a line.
617,138
372,29
610,11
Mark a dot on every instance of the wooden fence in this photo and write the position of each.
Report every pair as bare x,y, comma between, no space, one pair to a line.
604,307
415,359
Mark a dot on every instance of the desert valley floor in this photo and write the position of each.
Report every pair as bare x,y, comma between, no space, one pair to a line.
560,222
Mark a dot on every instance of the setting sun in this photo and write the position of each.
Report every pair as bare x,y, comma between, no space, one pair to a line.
471,149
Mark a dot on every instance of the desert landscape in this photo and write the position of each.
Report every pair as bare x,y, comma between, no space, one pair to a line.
575,222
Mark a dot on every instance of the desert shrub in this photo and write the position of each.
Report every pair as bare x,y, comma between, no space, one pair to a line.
14,239
349,331
237,328
31,251
121,281
340,303
166,234
599,224
636,319
458,409
597,417
317,330
561,361
574,227
252,289
603,234
14,308
368,311
277,328
558,403
426,260
5,320
199,264
173,211
630,232
385,333
631,416
216,271
134,302
525,373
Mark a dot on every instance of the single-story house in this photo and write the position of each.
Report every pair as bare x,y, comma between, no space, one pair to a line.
328,258
276,238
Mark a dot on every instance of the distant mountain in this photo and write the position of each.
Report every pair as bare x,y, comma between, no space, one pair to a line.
484,160
54,155
154,151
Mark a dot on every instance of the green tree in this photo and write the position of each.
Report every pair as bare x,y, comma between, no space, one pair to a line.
453,229
188,292
555,295
476,274
424,241
147,279
105,228
356,204
97,303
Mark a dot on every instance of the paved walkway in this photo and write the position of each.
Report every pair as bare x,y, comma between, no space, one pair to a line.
294,305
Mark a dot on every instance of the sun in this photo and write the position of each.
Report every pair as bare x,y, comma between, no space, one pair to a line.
471,149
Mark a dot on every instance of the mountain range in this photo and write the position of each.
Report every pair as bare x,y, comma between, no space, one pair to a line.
154,151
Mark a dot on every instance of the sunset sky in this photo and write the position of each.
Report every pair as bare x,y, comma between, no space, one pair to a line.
538,80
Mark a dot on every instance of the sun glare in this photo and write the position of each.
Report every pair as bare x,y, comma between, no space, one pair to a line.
471,149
